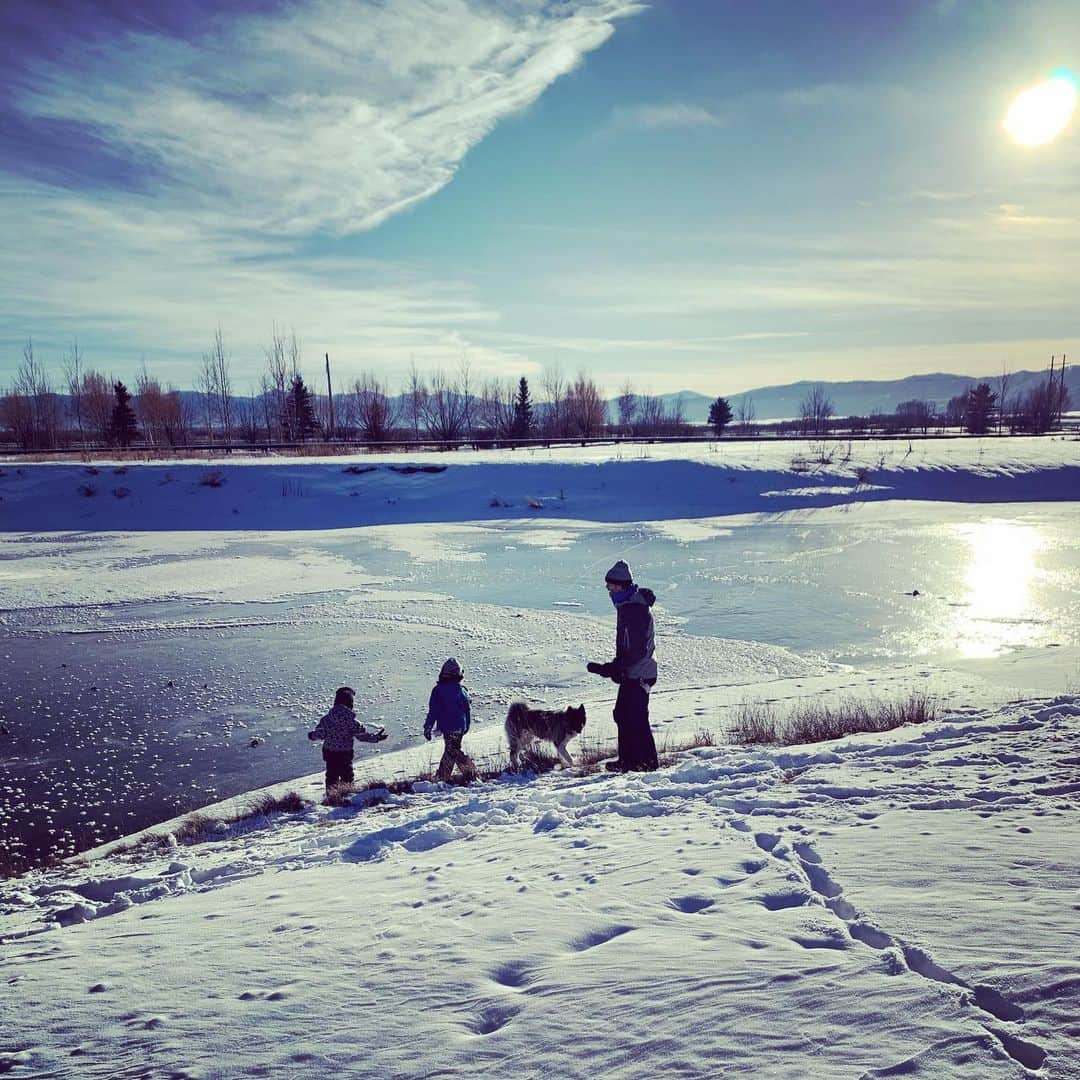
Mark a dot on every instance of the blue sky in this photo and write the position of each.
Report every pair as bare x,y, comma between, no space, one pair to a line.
702,195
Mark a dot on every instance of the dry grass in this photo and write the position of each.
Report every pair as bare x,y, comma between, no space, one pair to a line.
263,805
816,721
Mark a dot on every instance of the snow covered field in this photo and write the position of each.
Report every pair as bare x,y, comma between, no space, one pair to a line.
897,904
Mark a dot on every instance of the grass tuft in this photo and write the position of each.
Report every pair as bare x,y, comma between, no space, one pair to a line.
816,721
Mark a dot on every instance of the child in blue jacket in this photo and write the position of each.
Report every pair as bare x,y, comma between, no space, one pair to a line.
450,715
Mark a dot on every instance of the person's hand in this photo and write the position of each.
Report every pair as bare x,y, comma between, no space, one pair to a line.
382,734
596,669
311,735
427,734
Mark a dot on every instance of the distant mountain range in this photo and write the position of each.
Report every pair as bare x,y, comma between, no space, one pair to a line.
859,398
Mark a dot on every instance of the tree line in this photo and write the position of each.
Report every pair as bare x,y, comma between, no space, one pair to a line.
90,408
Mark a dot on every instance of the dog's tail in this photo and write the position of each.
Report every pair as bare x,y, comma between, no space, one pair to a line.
516,714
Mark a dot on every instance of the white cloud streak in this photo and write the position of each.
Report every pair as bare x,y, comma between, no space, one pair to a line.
664,117
260,135
333,119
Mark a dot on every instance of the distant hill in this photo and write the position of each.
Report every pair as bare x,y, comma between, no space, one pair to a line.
858,398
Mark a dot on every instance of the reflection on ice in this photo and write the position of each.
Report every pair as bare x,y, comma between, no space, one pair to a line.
999,612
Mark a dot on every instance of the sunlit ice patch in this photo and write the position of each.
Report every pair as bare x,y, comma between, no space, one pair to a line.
1040,113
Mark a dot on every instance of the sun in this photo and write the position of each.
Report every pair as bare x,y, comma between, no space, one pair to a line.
1042,112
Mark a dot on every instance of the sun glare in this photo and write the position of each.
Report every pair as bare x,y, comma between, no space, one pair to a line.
1042,112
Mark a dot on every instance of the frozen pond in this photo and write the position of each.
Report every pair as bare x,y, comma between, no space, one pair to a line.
146,675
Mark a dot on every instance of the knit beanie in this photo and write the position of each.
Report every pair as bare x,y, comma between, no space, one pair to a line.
619,574
450,670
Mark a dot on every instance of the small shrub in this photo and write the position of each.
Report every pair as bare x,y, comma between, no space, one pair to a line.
194,828
121,492
120,470
87,491
91,471
359,470
263,805
816,721
340,794
800,464
215,478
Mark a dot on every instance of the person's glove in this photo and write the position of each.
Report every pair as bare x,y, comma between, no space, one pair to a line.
382,734
608,670
427,734
311,735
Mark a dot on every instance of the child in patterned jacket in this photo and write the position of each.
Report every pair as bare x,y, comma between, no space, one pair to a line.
337,729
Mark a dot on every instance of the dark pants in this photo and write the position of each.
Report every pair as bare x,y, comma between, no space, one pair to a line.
338,767
637,749
453,755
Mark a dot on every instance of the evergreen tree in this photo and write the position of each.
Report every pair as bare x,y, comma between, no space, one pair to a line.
523,411
123,429
719,415
302,410
979,409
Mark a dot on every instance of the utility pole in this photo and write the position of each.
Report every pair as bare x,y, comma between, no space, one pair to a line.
330,395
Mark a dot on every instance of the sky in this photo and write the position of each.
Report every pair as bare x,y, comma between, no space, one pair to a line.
684,194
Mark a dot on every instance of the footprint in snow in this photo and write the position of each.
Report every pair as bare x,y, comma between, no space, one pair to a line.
599,937
691,905
492,1018
778,899
515,974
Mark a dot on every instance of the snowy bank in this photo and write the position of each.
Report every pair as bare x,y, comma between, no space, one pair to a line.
897,904
613,484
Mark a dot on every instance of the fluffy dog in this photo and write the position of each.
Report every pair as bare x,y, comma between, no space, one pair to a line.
524,724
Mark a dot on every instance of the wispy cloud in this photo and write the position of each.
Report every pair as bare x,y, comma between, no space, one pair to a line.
333,118
665,117
263,132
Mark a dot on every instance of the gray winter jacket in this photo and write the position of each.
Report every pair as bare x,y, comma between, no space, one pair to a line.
338,728
634,636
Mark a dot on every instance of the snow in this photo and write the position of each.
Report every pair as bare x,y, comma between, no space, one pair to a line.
899,904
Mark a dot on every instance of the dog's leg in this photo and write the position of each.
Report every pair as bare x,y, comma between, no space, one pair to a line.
567,760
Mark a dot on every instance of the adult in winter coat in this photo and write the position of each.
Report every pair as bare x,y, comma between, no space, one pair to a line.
450,714
633,668
337,729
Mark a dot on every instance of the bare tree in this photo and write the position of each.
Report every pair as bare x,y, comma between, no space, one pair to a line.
586,411
915,415
416,396
373,408
653,415
1003,396
553,418
98,401
465,384
150,405
677,418
815,411
627,404
73,376
444,414
745,414
219,383
38,415
275,386
496,413
206,385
